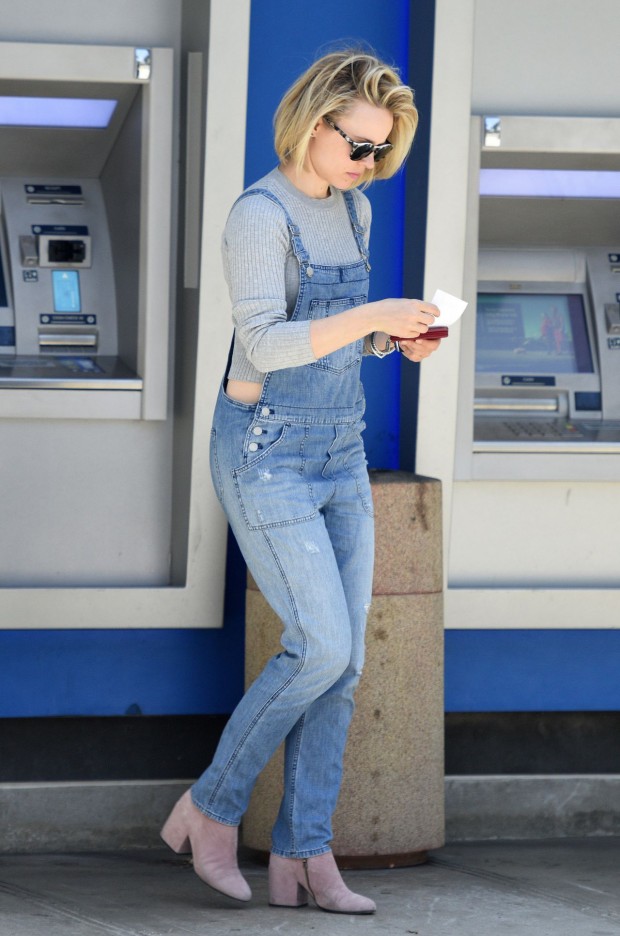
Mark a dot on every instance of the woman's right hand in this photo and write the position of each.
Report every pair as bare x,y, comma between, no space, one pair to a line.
405,318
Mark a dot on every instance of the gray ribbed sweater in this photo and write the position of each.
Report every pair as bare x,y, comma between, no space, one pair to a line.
263,274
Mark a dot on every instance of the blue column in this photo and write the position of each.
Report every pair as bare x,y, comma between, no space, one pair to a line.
286,37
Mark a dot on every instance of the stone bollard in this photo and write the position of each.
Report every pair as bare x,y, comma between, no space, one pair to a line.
391,807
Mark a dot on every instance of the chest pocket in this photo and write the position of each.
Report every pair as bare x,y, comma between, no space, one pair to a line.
338,361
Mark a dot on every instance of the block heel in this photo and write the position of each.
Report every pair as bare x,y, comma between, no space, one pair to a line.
284,888
292,879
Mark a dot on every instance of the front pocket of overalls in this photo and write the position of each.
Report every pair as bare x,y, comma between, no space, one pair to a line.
356,465
338,361
272,488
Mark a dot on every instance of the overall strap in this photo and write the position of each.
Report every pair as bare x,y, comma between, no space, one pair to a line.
303,257
358,229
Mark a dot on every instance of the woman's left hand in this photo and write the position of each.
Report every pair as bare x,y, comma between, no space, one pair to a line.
418,349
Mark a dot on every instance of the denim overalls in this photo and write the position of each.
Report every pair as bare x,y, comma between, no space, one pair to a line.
290,472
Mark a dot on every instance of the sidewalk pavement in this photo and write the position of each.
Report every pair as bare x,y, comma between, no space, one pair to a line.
567,887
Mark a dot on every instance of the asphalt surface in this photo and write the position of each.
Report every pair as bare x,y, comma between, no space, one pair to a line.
564,887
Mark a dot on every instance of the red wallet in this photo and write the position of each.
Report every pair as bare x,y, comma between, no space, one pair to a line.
439,331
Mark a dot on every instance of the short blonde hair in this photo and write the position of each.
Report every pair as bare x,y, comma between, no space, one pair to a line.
329,88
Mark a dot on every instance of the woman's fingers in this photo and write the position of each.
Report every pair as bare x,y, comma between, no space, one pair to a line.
409,318
416,350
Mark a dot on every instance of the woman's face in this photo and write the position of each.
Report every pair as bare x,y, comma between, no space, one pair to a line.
329,155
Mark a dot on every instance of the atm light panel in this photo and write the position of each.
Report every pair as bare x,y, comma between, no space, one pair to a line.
80,113
550,183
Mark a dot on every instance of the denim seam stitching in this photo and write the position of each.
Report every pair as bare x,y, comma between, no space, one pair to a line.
293,783
274,695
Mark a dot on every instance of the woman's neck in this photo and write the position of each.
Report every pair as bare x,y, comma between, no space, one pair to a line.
307,182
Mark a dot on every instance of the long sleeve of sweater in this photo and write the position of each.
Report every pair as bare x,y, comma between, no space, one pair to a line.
263,273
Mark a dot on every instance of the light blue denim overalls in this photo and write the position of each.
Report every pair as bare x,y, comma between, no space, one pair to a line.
290,472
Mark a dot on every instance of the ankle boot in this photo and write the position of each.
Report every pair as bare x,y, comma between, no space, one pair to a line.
292,879
213,846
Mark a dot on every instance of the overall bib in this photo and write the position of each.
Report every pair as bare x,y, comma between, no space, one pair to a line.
291,474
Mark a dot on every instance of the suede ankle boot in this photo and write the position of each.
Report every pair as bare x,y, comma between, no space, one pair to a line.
213,846
292,879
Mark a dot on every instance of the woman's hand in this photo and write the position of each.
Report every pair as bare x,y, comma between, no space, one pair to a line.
405,318
409,318
420,349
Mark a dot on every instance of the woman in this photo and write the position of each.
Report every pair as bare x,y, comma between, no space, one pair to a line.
289,468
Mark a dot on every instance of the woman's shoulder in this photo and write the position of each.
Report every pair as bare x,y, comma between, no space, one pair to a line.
268,186
256,208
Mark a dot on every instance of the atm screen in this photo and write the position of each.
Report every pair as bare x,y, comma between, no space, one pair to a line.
532,333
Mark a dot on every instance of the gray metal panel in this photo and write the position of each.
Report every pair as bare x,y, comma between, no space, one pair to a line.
156,245
546,57
120,184
89,503
68,151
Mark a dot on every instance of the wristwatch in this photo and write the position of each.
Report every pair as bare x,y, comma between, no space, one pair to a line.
389,347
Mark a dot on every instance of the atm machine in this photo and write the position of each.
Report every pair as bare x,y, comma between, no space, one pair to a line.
532,518
101,497
547,371
58,306
85,231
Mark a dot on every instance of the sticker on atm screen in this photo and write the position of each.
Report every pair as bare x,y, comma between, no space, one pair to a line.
66,284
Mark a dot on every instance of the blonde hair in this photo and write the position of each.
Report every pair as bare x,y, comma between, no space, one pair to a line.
329,88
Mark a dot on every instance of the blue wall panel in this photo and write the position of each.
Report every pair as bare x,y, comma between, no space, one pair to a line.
120,672
116,673
192,672
532,670
286,37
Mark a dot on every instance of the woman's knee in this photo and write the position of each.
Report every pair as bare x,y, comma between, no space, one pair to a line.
326,666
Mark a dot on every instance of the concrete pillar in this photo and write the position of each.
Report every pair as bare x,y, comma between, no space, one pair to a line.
391,808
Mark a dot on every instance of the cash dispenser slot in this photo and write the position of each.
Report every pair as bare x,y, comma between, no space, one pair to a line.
502,405
67,340
59,199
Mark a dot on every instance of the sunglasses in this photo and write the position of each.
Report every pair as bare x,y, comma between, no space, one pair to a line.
361,150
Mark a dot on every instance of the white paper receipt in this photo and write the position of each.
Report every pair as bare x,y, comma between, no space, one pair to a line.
450,307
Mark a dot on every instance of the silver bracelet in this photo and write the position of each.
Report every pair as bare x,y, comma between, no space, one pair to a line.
375,350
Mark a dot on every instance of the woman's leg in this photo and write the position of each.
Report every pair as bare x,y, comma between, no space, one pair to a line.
315,746
295,568
299,504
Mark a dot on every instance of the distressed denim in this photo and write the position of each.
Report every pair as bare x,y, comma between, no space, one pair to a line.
291,475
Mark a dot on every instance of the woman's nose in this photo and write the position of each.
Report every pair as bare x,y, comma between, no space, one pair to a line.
368,161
